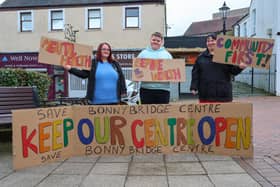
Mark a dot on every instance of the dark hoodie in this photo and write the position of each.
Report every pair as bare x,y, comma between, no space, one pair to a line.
212,80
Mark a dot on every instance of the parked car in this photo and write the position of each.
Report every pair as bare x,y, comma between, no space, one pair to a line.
133,95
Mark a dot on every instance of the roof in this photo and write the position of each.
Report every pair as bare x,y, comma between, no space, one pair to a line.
185,42
232,13
211,26
10,4
246,16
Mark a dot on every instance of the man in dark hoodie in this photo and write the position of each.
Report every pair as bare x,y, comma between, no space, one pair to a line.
210,80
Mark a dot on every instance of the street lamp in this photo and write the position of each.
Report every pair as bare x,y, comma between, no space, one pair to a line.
224,11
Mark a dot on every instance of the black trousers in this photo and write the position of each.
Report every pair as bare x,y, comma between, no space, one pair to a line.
149,96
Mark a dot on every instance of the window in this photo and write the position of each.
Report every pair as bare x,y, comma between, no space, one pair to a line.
56,20
245,29
237,30
254,19
94,18
25,23
132,17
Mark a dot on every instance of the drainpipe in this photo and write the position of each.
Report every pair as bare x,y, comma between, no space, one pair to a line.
165,19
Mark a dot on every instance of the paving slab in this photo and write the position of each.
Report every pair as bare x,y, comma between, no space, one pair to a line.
22,180
184,168
61,181
222,167
110,169
207,157
74,168
42,169
113,158
79,159
103,180
153,158
233,180
147,169
146,181
189,181
181,158
5,164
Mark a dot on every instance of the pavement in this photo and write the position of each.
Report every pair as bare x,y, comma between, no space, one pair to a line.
167,170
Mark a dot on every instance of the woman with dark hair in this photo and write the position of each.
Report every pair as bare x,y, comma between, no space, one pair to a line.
106,83
210,80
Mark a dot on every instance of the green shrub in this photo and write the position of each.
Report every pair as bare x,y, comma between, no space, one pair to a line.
21,77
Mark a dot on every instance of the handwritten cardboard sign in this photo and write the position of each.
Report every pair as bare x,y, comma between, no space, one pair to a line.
46,135
158,70
61,53
255,52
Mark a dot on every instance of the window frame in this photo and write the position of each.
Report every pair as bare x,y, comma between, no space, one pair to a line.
20,28
245,29
87,19
50,19
254,21
125,17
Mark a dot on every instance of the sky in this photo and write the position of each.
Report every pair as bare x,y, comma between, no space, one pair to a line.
181,13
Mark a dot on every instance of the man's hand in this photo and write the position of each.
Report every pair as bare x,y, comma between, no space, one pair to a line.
194,92
242,65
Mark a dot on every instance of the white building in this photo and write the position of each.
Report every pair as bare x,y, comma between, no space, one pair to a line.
263,21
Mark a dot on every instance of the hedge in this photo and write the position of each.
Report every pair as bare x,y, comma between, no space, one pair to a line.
21,77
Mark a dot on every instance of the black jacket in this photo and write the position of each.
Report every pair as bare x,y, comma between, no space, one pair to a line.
91,78
212,80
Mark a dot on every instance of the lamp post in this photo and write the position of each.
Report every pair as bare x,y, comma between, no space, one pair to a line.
224,11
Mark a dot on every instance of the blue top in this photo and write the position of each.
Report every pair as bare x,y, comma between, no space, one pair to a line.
161,53
106,80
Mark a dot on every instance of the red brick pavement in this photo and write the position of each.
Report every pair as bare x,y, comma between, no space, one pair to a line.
265,166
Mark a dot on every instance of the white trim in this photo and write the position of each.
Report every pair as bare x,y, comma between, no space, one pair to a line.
49,18
140,16
101,17
37,69
32,20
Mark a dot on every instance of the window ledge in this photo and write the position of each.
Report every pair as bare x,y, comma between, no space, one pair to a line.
93,30
25,32
54,31
132,28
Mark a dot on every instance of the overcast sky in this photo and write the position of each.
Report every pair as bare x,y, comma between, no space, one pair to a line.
181,13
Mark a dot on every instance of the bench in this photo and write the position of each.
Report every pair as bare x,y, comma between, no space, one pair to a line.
12,98
64,101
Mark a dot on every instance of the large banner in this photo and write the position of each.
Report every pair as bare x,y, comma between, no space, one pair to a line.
61,53
158,70
46,135
254,52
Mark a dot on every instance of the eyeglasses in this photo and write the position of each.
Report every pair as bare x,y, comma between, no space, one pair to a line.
105,49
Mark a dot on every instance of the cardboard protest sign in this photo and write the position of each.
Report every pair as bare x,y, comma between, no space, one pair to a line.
255,52
158,70
42,135
61,53
46,135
